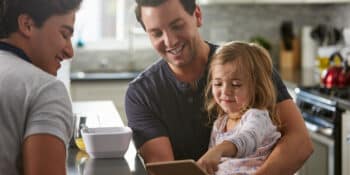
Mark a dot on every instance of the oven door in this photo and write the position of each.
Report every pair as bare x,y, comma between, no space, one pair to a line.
321,162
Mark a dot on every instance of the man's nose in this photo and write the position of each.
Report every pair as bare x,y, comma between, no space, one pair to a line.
170,39
68,50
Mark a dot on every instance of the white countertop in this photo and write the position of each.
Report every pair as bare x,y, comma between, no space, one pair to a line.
105,114
98,113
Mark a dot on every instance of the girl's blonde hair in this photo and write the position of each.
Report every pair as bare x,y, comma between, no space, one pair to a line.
255,63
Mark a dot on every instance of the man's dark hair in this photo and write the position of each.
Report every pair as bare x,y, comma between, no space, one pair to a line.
39,10
188,5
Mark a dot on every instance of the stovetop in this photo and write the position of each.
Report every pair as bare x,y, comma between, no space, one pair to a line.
334,96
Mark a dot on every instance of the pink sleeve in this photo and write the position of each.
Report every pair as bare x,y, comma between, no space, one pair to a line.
253,128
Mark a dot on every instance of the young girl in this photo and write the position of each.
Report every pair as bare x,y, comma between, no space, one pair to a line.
241,96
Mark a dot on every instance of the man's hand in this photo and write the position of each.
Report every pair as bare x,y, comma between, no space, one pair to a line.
295,146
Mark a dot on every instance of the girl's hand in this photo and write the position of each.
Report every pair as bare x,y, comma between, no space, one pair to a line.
210,160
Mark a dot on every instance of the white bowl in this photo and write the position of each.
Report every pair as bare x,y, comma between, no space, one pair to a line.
106,142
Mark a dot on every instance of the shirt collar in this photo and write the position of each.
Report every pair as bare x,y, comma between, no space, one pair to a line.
15,50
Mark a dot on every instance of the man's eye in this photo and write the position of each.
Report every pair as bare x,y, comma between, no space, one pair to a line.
156,34
65,35
177,27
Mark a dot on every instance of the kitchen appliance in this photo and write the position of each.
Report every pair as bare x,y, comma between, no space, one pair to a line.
336,76
326,114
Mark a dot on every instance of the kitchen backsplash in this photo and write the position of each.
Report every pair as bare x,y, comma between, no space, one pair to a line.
224,23
112,60
241,22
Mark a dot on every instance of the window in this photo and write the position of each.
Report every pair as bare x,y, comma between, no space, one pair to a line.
101,20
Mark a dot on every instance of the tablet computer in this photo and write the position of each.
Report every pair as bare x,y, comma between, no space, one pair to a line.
176,167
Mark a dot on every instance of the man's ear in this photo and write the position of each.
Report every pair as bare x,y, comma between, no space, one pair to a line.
25,25
198,15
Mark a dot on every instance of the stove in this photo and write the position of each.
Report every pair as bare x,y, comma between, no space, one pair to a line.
324,112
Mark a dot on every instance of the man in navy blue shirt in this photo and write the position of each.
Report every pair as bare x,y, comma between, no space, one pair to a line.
164,104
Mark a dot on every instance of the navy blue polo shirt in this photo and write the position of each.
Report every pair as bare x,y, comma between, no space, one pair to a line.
15,50
157,104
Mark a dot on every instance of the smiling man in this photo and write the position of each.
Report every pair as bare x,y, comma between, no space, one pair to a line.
164,104
35,109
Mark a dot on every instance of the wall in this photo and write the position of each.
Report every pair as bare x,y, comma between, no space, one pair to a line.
241,22
222,23
112,60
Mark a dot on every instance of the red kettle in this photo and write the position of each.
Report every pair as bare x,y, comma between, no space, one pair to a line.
336,76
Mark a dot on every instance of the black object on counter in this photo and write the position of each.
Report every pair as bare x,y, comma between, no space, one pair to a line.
287,34
326,35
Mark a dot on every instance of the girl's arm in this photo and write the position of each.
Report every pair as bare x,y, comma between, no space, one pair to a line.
211,159
247,138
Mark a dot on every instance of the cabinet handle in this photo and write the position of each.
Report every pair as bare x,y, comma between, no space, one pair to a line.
348,138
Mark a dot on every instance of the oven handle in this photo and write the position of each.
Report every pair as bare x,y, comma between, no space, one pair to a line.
313,129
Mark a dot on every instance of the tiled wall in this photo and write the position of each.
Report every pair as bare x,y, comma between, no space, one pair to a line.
230,22
241,22
112,60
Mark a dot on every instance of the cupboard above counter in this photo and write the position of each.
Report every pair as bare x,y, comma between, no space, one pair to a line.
208,2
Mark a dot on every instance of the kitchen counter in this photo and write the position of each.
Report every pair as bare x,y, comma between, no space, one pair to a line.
299,77
88,76
79,163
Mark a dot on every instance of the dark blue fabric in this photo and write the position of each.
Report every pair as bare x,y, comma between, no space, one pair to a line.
15,50
157,104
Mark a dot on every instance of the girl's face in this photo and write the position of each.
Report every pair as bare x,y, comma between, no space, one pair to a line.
229,88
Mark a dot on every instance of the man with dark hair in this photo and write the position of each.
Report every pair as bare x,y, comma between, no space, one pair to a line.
164,104
35,110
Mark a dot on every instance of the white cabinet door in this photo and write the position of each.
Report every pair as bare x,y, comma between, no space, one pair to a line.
101,90
346,142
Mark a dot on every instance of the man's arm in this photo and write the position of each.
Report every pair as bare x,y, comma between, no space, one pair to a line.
295,146
157,150
44,154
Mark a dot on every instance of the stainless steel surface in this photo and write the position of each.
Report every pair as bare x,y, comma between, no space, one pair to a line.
327,116
79,163
323,155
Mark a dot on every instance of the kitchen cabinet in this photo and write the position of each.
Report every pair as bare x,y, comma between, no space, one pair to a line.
93,90
346,142
318,162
